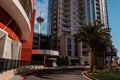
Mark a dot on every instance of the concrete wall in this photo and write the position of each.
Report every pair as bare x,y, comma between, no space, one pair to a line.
16,46
8,50
3,42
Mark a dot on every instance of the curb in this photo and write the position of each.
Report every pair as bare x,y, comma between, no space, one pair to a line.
22,78
85,74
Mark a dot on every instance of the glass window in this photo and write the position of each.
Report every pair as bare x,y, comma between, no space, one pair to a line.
74,26
74,3
74,7
69,53
74,17
69,41
74,12
85,53
88,10
76,48
93,10
69,46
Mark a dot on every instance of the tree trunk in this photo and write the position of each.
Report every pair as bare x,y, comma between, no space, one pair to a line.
91,59
110,62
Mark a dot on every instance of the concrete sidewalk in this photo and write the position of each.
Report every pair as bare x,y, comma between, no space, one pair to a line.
7,74
16,77
15,74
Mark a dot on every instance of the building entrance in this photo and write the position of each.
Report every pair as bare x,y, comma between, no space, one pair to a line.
37,59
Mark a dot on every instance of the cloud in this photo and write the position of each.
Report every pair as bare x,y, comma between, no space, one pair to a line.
41,6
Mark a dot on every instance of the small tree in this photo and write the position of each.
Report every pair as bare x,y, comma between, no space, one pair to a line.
67,60
59,60
63,60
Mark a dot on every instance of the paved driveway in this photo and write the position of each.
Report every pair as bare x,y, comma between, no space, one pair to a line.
57,76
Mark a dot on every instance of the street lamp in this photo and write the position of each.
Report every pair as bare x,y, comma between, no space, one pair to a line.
40,21
110,53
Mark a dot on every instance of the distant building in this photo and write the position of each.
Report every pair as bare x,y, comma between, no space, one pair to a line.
44,41
118,60
64,18
43,56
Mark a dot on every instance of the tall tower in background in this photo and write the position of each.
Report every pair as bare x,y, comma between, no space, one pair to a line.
64,18
40,21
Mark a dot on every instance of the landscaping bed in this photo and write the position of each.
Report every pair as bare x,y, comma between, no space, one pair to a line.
107,75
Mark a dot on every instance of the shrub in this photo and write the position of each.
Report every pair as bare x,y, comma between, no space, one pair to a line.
59,60
63,60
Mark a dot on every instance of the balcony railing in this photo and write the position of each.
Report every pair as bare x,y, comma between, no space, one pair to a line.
65,29
66,13
66,19
8,64
81,2
66,8
66,24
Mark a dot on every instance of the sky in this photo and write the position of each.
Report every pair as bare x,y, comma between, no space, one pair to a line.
114,22
41,6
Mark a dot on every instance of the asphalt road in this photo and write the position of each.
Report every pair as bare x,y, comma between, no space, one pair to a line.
57,76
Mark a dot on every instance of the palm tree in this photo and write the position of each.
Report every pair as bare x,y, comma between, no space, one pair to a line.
99,50
92,33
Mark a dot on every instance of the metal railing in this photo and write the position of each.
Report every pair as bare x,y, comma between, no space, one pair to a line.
8,64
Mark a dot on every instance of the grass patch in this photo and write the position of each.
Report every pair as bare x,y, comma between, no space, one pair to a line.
107,75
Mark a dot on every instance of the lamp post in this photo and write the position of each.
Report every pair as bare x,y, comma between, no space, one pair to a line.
40,21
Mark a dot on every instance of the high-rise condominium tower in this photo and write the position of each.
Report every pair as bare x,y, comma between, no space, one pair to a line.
64,18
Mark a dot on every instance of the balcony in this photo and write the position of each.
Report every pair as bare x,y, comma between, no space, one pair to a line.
66,13
79,25
81,2
65,29
66,19
65,24
81,11
55,8
54,32
54,37
66,9
54,27
55,3
54,22
55,12
81,17
82,7
54,17
66,4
